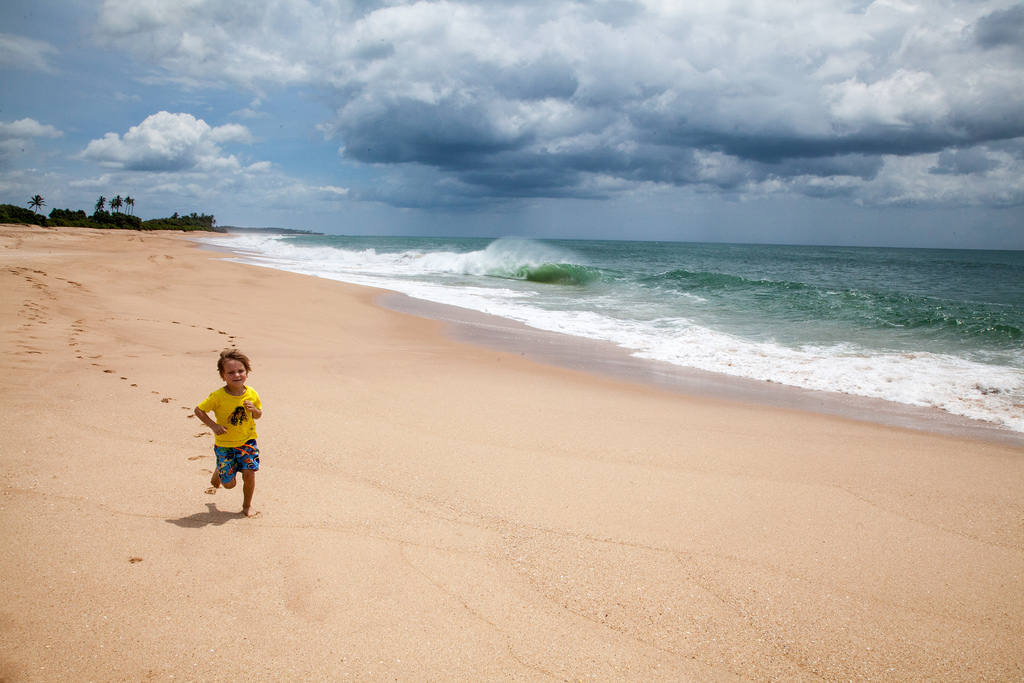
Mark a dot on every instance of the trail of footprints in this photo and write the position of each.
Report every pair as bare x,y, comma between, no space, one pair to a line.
78,328
37,312
32,312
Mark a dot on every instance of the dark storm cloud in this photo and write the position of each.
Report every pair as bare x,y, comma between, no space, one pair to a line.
963,162
450,134
1004,27
551,78
882,102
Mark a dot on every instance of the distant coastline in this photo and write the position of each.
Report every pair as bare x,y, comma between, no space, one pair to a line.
266,231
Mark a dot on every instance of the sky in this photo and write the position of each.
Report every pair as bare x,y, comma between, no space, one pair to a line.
888,123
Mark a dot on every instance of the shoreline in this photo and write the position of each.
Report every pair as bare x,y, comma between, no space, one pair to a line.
435,509
608,360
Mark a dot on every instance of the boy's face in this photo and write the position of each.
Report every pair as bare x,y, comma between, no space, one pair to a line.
234,374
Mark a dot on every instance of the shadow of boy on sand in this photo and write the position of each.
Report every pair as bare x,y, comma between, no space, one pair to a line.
212,516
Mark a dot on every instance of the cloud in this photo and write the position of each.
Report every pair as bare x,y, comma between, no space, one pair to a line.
1001,28
168,142
991,180
177,162
199,41
27,128
18,52
474,101
16,137
964,162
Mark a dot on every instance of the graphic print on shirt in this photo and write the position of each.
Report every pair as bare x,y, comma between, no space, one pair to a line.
238,416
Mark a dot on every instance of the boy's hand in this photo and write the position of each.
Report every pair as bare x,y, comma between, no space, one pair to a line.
219,429
256,413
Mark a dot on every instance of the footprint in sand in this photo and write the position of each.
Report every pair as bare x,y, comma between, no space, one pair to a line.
166,400
135,560
196,457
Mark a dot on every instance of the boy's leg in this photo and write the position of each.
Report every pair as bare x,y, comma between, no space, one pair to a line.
227,467
218,464
248,486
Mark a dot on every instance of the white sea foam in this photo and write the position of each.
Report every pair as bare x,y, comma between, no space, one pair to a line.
981,391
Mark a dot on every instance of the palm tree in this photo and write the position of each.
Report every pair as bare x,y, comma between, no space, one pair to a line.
37,202
101,203
116,203
130,203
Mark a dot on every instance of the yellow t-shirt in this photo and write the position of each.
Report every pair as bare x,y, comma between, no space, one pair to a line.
232,415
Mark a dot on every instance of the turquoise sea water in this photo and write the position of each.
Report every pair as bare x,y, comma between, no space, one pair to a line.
923,327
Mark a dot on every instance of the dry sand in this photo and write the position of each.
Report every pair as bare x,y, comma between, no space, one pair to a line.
433,510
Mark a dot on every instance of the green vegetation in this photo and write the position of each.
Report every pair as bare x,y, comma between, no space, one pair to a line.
101,218
9,213
68,217
193,221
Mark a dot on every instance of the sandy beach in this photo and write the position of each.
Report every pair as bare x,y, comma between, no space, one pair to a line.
437,510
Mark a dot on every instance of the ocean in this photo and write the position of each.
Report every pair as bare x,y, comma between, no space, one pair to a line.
922,327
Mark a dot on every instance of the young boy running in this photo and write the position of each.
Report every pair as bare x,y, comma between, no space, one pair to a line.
236,407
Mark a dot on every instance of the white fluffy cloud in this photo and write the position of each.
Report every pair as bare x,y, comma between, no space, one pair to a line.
527,99
169,142
178,162
27,128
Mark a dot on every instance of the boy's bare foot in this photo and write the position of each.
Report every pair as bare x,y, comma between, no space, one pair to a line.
214,481
249,512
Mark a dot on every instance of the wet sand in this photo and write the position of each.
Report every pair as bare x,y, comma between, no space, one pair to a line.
609,360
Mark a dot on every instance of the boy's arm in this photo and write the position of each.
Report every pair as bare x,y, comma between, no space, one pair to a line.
216,428
256,413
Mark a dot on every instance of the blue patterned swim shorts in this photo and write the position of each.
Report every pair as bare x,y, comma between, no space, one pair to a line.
233,459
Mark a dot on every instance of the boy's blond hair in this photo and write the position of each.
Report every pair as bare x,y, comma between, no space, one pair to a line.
232,354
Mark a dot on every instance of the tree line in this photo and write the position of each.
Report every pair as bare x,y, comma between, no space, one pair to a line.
101,218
